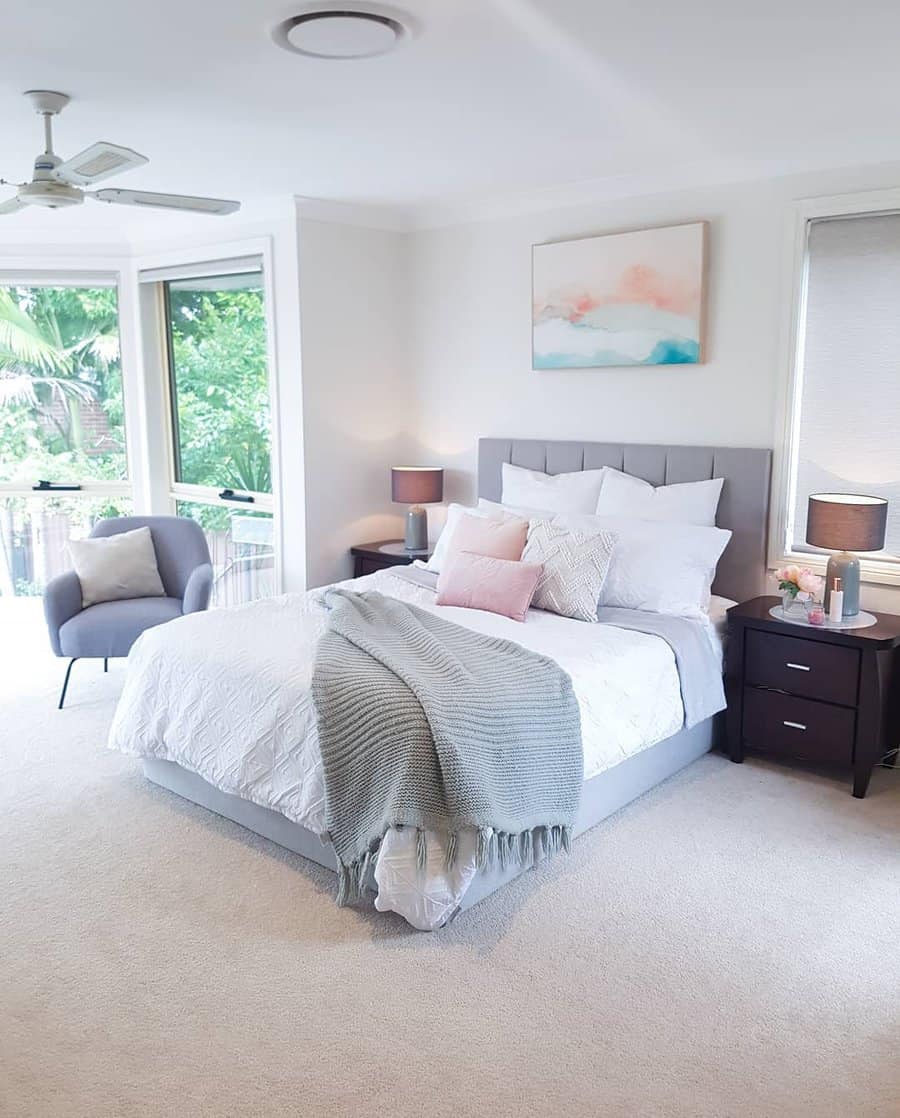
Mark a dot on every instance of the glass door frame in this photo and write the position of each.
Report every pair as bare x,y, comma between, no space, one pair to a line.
152,277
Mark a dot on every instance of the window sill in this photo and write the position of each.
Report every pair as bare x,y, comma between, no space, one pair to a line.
872,572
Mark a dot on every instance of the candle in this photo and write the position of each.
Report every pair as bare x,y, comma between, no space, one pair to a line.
816,615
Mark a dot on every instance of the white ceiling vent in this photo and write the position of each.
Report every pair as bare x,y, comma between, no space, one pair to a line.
340,34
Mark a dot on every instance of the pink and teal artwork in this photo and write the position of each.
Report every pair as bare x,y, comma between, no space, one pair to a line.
622,299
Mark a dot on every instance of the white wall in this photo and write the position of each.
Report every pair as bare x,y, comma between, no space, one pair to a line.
357,397
471,331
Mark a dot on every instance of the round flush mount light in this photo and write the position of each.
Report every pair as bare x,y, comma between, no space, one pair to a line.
340,34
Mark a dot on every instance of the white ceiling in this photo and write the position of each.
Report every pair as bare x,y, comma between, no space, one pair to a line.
488,96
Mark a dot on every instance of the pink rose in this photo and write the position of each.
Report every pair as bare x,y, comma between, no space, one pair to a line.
810,582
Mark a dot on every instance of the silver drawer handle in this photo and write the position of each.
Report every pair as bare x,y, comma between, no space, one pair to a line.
799,667
795,725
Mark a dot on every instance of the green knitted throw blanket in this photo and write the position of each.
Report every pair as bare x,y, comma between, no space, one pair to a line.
426,724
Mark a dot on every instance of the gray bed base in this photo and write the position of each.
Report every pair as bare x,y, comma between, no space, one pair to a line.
741,572
601,797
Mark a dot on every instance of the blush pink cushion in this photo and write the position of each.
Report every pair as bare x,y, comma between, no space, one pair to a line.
482,582
500,539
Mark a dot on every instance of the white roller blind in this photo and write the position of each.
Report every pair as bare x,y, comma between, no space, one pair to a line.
849,402
231,266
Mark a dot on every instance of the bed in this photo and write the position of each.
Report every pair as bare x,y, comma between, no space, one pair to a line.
219,709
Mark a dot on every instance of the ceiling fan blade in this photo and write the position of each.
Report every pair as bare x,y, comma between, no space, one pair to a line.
12,206
165,201
99,161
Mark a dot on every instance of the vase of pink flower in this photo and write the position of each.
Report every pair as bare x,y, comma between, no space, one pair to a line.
800,589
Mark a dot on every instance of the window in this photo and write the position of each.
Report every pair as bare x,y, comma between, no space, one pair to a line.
846,399
220,421
220,382
61,420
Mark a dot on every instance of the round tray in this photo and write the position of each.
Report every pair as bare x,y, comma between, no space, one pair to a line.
861,621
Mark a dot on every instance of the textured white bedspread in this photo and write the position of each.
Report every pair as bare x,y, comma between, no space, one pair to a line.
226,694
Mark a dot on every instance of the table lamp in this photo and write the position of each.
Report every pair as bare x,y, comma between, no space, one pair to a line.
417,486
845,522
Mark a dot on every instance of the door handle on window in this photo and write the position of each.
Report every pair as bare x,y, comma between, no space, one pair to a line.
230,495
799,667
795,725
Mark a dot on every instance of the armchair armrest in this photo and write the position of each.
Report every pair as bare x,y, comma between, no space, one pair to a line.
62,600
198,589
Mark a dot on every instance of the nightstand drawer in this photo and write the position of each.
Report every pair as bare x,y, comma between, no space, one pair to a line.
366,566
802,667
799,728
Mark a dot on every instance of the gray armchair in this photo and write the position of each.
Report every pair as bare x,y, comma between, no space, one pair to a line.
109,629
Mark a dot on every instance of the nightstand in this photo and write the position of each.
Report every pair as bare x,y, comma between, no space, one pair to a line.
824,696
371,557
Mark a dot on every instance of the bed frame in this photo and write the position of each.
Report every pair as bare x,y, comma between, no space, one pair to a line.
743,509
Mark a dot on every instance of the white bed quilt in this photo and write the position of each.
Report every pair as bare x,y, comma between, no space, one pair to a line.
226,694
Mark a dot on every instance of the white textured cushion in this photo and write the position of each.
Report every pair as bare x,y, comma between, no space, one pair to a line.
575,562
666,568
557,493
114,567
687,502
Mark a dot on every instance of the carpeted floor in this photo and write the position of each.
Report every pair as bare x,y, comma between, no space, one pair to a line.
727,946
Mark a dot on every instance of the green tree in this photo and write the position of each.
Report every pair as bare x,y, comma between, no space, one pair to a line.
59,355
222,387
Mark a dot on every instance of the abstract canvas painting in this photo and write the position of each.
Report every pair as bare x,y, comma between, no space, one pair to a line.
622,299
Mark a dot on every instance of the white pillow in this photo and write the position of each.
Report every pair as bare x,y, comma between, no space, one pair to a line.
559,493
666,568
443,547
110,568
575,561
686,502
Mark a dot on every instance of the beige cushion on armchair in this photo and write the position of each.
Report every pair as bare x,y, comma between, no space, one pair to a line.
113,567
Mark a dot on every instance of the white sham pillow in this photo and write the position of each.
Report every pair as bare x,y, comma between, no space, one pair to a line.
575,562
444,546
686,502
110,568
664,568
558,493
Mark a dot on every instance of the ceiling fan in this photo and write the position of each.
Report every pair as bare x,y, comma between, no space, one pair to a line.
58,183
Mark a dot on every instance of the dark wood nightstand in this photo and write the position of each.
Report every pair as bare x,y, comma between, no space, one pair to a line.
826,696
371,557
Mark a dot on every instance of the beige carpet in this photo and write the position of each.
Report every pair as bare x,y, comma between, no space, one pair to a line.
727,946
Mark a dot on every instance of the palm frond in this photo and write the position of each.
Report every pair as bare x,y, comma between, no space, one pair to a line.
21,340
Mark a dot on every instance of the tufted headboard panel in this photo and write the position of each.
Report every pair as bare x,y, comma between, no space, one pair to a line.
743,508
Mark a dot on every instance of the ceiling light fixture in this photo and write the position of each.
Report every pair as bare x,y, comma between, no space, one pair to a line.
340,34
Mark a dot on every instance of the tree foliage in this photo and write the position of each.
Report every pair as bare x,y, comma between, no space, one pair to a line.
61,409
222,389
61,414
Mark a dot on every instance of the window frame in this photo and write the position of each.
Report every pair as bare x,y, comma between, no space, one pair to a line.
47,274
151,275
877,571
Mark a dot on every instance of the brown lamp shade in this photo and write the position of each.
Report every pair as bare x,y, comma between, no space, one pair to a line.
846,522
417,485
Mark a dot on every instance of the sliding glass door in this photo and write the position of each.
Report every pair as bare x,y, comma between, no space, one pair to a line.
220,423
63,460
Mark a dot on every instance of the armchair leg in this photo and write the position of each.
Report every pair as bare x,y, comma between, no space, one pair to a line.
105,664
65,687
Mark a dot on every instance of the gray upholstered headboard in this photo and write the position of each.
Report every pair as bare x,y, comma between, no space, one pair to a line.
744,507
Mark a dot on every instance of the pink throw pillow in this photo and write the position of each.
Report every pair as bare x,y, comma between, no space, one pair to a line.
500,539
482,582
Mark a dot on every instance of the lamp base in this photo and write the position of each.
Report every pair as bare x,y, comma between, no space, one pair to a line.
416,538
845,567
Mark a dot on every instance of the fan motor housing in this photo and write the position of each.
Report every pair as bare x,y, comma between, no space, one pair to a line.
52,194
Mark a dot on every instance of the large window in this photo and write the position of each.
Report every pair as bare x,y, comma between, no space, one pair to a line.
220,382
61,422
846,401
220,422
